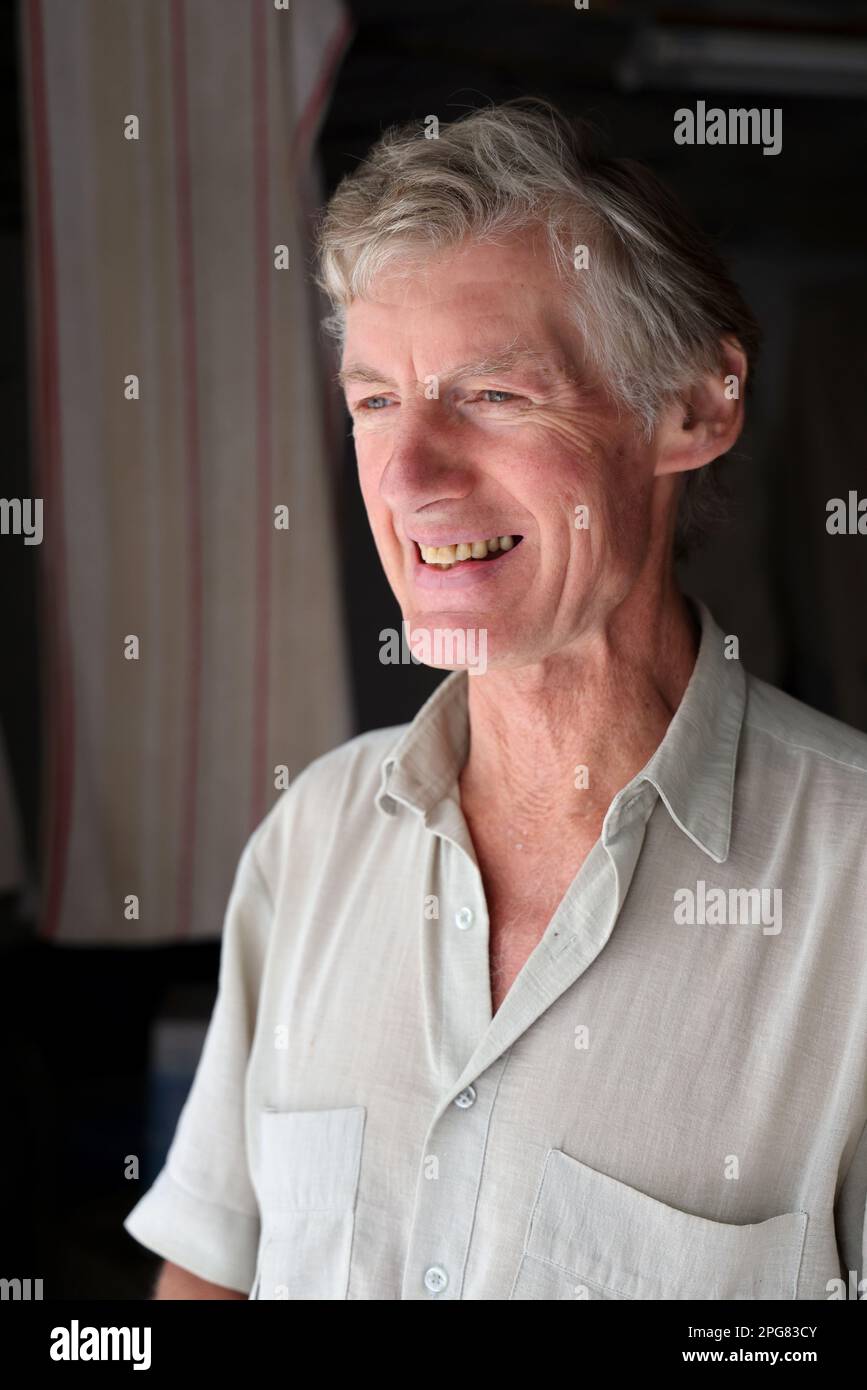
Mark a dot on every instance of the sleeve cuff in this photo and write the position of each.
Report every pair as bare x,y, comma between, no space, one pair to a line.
214,1242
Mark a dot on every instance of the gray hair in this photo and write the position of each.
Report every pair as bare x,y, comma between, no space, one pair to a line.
655,301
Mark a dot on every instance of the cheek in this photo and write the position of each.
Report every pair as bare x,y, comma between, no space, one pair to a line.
590,454
583,441
565,465
370,464
378,513
587,461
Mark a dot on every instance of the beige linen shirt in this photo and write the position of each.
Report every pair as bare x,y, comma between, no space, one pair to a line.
669,1104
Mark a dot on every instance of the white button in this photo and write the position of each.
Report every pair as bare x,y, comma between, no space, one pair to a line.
435,1279
464,918
466,1098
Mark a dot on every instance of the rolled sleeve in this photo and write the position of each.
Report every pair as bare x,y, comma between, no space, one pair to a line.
201,1211
209,1239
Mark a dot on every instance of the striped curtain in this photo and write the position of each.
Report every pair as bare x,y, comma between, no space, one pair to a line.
192,648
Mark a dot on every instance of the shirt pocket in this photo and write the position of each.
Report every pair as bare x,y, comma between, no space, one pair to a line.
307,1182
592,1237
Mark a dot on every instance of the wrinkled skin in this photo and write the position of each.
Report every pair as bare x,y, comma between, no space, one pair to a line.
586,628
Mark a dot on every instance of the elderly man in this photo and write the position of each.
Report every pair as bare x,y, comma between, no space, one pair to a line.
560,990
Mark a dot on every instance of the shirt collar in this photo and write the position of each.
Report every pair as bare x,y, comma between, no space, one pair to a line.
693,769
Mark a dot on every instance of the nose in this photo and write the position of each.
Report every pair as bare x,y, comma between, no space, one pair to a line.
426,462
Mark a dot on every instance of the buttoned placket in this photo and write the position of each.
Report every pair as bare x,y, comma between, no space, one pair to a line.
472,1046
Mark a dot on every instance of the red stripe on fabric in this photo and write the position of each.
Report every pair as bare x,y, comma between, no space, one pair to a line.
186,287
331,407
307,123
329,401
264,518
58,695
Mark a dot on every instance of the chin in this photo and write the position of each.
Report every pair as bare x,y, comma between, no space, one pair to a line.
454,641
448,642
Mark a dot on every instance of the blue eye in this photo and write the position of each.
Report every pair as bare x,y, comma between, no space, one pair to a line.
366,403
505,395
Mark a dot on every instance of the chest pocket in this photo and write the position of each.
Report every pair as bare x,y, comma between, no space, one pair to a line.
306,1183
592,1237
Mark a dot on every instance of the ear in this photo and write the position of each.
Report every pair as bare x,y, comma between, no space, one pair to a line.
706,422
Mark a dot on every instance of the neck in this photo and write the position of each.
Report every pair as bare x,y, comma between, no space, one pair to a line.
603,704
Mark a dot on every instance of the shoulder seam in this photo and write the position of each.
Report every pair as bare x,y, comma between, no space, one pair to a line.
254,859
804,747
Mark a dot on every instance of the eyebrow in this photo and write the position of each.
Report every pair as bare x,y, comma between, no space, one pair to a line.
487,366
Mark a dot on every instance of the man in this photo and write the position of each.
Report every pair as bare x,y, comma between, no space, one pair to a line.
560,990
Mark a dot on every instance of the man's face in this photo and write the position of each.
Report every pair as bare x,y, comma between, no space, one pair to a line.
451,450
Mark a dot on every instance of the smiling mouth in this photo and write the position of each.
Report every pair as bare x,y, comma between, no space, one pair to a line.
443,557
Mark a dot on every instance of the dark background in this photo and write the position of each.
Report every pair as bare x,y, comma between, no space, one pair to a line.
792,227
76,1022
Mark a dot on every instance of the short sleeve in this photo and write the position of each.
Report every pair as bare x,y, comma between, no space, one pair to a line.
201,1212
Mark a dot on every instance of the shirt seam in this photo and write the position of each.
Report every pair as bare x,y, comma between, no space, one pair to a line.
483,1166
577,1274
207,1201
805,748
849,1165
254,859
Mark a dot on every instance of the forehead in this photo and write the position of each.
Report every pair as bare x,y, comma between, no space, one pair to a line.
470,300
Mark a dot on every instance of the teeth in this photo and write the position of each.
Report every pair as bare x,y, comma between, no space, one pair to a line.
445,555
